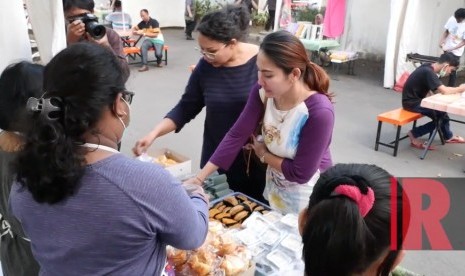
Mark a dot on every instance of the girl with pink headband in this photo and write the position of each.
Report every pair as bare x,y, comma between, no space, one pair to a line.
346,228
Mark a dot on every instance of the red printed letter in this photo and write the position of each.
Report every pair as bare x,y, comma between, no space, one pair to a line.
428,219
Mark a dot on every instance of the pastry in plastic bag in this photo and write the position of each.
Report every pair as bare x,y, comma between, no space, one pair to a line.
176,256
233,265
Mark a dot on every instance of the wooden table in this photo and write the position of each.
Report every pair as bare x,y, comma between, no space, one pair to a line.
453,104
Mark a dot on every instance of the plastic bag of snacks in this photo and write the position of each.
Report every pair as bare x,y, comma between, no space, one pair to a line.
219,255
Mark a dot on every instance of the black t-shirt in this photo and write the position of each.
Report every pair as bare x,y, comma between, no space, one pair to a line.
146,25
418,84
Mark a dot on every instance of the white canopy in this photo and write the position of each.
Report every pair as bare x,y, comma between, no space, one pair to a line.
415,27
14,44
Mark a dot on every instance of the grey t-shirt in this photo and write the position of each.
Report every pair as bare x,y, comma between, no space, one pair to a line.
118,222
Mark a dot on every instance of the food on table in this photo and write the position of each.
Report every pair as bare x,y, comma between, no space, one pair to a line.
234,209
279,258
219,255
233,265
164,161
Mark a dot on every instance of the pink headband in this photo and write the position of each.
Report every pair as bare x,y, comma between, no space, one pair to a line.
364,202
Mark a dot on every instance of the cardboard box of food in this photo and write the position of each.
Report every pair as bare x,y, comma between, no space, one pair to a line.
164,157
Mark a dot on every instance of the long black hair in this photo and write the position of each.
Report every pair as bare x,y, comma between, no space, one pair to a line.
231,22
18,82
82,80
337,239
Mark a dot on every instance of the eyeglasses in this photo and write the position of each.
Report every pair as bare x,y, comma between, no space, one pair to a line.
210,55
127,96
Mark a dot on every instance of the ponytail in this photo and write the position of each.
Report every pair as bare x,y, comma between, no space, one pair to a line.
334,238
348,222
317,79
287,52
81,81
50,166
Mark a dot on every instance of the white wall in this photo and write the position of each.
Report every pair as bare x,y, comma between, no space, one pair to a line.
366,26
169,13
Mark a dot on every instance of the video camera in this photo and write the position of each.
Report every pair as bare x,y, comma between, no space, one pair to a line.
92,26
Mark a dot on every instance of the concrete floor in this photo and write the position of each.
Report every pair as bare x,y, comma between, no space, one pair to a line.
359,99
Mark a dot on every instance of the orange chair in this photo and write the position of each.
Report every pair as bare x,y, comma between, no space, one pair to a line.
397,117
131,52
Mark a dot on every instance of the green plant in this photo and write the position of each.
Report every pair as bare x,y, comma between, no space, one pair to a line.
307,14
202,7
259,19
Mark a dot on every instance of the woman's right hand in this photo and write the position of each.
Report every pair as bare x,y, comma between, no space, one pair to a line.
143,144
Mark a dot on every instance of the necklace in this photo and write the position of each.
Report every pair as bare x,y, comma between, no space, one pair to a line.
282,117
100,147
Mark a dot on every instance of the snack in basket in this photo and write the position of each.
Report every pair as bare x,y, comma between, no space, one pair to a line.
234,209
164,161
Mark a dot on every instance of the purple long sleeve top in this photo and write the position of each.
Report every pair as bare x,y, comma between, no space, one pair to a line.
313,151
118,222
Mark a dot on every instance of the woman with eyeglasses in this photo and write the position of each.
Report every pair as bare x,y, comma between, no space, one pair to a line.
87,209
221,83
292,106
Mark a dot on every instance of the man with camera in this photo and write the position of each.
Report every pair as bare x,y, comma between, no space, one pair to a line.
82,24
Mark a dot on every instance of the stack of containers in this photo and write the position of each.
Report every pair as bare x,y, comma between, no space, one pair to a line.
274,241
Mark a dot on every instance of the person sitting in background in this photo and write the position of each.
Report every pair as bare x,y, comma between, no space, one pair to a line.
150,29
88,209
419,84
119,20
318,19
346,228
76,31
292,107
18,82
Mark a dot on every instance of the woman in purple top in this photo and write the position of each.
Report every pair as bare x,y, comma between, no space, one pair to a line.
221,83
298,117
87,209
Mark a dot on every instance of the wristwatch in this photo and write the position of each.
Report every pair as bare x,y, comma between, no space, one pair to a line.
262,158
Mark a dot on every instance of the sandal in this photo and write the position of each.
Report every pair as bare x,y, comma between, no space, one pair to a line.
456,139
422,146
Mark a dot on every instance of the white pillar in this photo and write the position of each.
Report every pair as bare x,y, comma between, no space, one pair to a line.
14,45
48,24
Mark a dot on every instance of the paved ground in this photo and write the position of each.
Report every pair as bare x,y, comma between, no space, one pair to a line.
359,99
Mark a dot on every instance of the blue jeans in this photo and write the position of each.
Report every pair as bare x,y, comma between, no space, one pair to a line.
429,127
146,45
